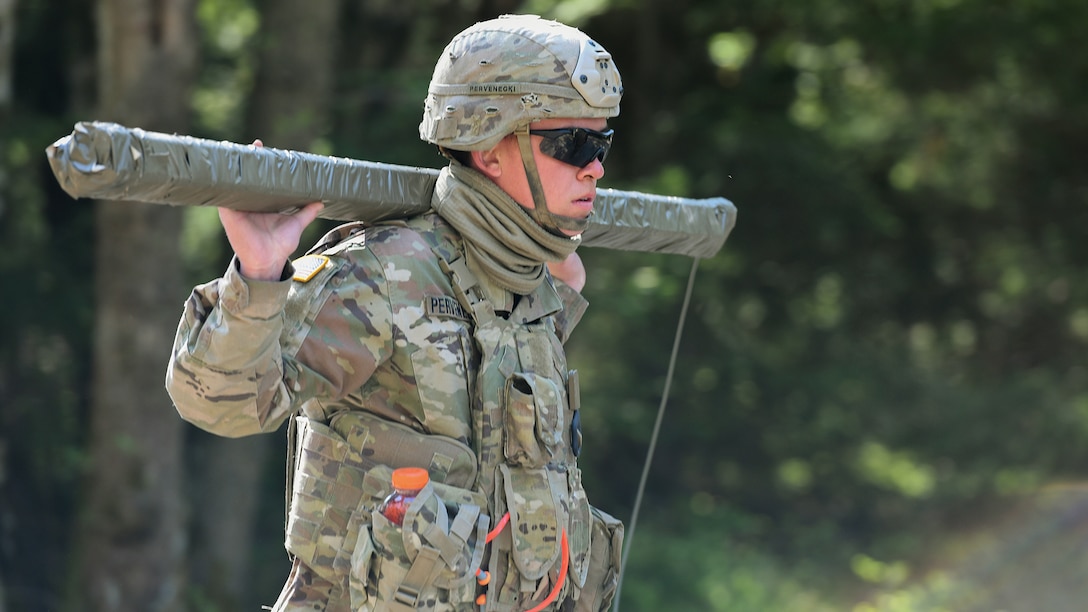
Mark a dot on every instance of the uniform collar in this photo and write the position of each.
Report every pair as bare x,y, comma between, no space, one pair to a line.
533,306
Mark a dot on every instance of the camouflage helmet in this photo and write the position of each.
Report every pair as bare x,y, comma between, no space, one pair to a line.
504,73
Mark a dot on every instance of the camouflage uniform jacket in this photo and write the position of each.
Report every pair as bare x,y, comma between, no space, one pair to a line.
377,328
368,321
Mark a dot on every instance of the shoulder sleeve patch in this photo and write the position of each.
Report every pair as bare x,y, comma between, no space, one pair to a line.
307,266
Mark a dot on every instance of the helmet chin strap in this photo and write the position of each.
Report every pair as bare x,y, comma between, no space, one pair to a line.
545,218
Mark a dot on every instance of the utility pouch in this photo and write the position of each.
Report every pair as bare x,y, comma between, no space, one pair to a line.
526,554
580,529
533,421
429,561
376,441
326,491
606,550
328,505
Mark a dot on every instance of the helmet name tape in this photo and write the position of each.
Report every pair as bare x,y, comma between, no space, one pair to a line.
506,88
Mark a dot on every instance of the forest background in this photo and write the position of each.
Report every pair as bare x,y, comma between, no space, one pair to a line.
881,401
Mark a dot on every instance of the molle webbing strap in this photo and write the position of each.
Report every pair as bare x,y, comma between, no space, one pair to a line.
310,410
448,551
289,479
419,577
468,290
450,540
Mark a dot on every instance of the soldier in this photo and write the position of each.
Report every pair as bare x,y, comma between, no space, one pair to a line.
434,341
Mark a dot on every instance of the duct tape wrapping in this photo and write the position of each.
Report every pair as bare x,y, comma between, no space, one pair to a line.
108,161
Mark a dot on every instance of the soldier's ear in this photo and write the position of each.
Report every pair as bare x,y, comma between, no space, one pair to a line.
490,162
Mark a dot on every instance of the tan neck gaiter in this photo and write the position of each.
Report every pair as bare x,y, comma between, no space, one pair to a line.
501,240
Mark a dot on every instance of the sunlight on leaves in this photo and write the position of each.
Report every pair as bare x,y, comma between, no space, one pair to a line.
795,474
731,50
904,174
827,306
895,471
1014,481
228,27
229,23
878,572
807,111
646,279
200,236
705,379
924,597
1014,280
571,12
1078,323
922,338
964,337
672,179
1080,411
751,312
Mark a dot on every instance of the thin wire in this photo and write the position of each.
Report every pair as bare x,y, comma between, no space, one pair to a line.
653,437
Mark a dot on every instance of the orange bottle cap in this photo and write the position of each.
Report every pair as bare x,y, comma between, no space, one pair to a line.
410,478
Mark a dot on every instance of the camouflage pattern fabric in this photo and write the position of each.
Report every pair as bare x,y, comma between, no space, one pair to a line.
378,327
380,316
602,577
305,591
523,406
510,71
389,321
430,562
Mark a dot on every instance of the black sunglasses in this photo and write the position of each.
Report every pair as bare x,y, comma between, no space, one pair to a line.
575,146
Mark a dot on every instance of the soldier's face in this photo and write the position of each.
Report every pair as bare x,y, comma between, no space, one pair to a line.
569,190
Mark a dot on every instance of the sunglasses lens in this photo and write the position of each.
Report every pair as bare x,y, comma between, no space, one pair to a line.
575,146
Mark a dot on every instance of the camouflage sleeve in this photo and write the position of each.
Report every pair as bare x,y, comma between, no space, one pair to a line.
225,371
574,306
248,354
341,327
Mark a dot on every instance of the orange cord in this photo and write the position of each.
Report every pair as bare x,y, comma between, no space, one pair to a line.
562,567
562,577
498,528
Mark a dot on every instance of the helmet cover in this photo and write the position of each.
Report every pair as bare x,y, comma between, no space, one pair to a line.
504,73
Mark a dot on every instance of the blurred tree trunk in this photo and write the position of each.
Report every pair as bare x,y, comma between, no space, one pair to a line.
7,46
133,543
289,110
293,90
7,65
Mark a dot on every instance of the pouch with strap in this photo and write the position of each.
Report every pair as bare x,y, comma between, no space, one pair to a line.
430,561
524,406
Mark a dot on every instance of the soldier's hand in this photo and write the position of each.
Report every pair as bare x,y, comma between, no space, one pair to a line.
264,241
571,271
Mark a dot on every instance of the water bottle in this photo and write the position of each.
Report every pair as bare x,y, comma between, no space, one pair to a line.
407,483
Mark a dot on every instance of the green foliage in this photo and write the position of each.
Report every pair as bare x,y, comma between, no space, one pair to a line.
44,353
883,363
707,561
889,310
227,32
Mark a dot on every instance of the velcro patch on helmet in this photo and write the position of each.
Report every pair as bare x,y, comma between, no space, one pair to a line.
595,76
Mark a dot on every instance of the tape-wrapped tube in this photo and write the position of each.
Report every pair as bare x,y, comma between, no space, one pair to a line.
108,161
